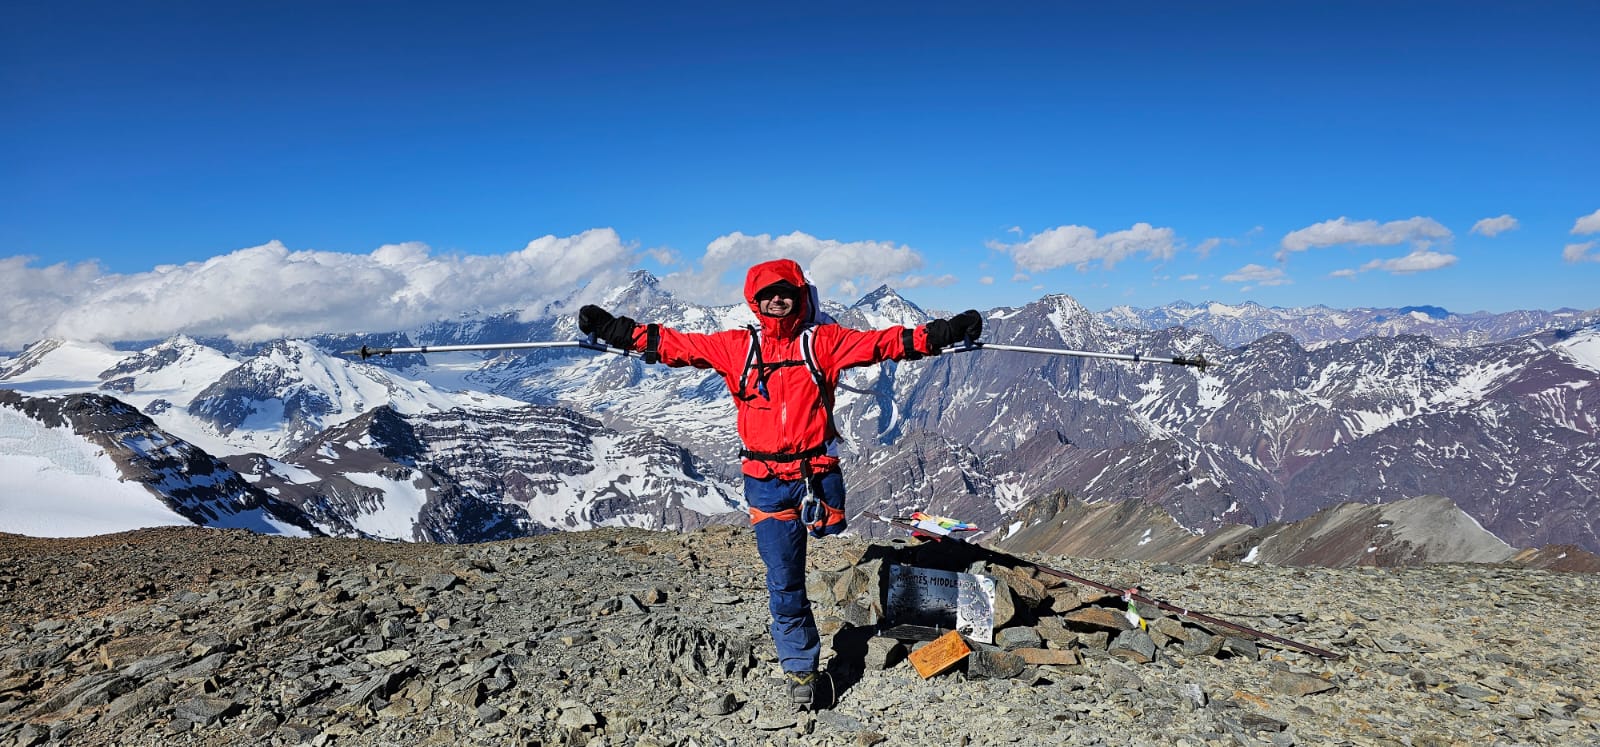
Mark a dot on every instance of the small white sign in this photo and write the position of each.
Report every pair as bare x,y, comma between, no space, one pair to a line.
959,601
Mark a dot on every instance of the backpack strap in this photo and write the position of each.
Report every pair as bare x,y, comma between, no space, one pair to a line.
752,359
808,350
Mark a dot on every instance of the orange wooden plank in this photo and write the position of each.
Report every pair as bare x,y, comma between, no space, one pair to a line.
943,653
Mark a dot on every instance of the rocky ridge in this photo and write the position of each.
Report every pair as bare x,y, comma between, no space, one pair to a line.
1417,531
625,636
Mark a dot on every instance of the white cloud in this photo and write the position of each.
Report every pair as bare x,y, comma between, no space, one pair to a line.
662,256
1421,260
1493,227
270,291
1580,252
839,269
1015,229
1021,277
1587,224
1081,247
1209,245
1362,233
986,280
1189,277
31,297
1257,274
929,281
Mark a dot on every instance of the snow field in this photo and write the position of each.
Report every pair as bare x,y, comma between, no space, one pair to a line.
54,483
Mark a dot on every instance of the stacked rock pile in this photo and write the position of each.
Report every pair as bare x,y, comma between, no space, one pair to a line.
627,637
1039,618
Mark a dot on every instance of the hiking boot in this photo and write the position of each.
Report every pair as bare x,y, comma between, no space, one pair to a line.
802,687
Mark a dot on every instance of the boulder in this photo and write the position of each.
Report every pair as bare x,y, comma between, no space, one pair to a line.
1028,591
205,710
1012,639
1299,685
1169,628
1097,618
883,653
1049,657
988,663
1134,646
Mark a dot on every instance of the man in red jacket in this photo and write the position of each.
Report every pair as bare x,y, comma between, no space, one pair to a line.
782,377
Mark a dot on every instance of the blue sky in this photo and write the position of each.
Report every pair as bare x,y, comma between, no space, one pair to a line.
1286,153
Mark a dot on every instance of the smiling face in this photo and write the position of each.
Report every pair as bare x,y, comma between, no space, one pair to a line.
777,306
765,283
778,301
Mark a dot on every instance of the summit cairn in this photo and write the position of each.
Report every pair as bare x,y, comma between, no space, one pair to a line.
1042,624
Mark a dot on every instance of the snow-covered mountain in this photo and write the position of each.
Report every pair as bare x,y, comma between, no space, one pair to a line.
472,474
271,401
1312,326
1280,430
89,464
1275,432
478,475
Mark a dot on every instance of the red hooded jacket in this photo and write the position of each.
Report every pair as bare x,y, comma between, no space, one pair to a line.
793,417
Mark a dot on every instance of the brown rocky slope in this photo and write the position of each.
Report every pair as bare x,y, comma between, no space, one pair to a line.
616,637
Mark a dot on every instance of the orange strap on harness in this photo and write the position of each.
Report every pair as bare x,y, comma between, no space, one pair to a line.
830,517
789,514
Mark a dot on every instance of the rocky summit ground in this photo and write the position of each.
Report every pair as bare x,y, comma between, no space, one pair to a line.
624,637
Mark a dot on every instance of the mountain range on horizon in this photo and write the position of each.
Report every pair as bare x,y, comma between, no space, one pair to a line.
1312,326
1231,324
1493,412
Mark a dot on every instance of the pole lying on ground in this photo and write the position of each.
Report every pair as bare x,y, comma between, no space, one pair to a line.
1198,361
1131,594
368,352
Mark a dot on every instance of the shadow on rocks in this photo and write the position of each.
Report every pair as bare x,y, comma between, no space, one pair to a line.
848,664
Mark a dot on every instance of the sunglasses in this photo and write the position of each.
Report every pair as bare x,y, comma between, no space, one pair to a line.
775,291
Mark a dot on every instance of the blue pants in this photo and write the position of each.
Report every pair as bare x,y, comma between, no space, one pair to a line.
782,545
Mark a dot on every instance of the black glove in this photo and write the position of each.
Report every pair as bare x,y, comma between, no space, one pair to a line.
616,331
942,333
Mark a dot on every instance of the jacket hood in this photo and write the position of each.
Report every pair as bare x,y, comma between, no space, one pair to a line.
767,273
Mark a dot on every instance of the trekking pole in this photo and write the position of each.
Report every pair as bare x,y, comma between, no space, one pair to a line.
1127,594
1198,361
589,344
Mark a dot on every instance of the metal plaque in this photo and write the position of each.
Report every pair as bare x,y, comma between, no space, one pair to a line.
963,602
